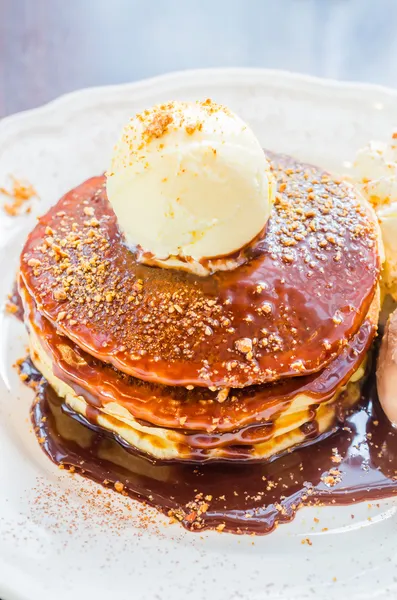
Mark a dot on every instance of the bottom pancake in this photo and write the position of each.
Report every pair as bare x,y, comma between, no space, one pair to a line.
287,431
173,423
300,423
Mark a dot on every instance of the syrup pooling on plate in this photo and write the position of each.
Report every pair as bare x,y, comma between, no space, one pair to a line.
357,463
304,291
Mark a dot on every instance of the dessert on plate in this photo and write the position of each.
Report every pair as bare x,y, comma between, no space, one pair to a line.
204,301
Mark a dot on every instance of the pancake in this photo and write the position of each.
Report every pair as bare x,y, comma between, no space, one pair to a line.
303,293
175,423
196,408
265,443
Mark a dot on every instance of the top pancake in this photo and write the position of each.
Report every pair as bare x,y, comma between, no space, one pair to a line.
304,292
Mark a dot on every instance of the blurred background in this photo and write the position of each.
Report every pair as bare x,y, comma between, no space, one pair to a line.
49,47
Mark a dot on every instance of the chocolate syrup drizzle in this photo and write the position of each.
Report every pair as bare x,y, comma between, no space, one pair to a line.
296,300
357,463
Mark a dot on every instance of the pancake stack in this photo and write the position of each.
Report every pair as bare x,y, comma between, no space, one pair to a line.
239,365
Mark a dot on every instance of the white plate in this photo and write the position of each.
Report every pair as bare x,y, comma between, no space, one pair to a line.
57,539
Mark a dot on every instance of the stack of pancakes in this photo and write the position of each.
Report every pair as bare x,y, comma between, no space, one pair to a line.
238,365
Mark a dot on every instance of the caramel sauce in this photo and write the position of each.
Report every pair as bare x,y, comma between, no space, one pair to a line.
357,463
304,291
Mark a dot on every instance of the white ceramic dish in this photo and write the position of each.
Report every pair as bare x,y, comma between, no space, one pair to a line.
57,538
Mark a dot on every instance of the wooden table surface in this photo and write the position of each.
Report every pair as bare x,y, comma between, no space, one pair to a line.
49,47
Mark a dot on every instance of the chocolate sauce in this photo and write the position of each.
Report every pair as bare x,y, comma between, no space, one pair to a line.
357,463
304,291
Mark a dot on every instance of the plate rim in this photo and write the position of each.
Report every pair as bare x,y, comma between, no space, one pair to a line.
235,75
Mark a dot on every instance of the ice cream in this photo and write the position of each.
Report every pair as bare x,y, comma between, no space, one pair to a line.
375,169
387,216
375,172
187,182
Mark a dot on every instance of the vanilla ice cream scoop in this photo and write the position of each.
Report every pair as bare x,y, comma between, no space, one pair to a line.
387,216
375,172
189,181
375,169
